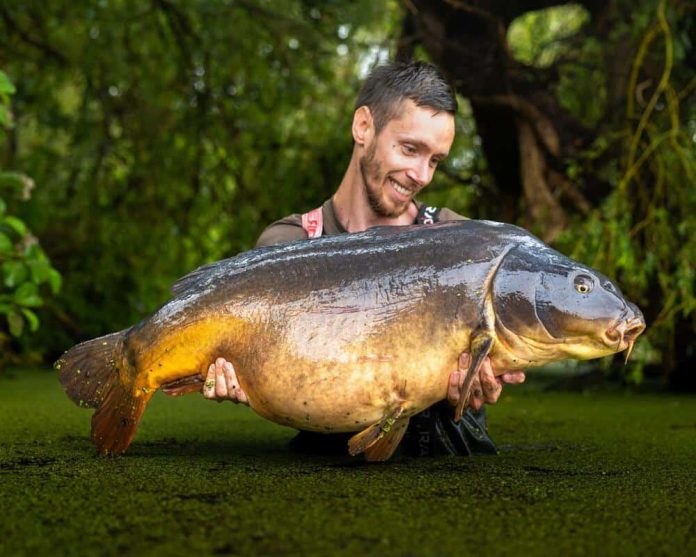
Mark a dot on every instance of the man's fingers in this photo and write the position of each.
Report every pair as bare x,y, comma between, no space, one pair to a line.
209,384
513,377
453,388
234,391
220,382
230,380
241,397
476,394
485,386
491,388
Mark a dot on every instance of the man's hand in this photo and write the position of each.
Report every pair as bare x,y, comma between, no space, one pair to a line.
486,387
221,383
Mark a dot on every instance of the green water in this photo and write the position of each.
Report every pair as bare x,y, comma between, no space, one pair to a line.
596,474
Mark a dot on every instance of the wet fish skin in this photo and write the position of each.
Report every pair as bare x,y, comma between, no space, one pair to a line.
334,334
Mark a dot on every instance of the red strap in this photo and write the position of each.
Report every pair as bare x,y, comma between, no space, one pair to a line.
313,223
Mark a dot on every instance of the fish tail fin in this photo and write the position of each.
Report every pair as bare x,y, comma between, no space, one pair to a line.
92,374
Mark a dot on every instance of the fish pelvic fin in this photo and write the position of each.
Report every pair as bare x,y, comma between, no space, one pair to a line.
481,345
384,448
92,375
183,386
379,441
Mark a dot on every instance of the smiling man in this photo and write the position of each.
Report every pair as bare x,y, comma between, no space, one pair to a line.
403,126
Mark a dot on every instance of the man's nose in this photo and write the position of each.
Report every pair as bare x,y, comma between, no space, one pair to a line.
420,172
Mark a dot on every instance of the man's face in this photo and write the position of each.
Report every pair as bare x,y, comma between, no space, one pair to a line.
401,159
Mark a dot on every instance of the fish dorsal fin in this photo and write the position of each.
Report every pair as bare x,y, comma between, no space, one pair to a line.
377,238
191,280
208,274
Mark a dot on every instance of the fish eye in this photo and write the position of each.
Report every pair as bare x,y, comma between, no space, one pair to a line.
583,284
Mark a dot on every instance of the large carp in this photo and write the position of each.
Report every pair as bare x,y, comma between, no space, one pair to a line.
355,332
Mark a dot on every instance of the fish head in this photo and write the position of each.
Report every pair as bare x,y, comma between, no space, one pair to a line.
551,307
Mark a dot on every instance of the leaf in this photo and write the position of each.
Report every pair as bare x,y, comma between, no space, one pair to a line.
16,224
5,244
6,86
14,273
11,181
3,206
16,323
31,318
27,295
55,280
39,270
34,252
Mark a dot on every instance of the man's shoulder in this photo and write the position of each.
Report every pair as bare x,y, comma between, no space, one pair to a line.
287,229
449,214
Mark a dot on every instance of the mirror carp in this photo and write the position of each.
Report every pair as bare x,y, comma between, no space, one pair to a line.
355,332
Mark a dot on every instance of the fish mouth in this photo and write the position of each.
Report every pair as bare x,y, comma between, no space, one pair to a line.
623,334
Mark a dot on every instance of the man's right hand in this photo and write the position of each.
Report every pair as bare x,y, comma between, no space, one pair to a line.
221,383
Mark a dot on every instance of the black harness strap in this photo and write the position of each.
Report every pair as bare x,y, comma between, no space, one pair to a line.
428,215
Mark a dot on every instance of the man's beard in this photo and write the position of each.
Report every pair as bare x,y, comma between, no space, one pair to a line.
371,169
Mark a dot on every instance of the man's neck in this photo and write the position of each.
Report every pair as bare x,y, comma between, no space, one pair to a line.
353,209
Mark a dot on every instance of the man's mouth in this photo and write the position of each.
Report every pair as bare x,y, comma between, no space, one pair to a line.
401,190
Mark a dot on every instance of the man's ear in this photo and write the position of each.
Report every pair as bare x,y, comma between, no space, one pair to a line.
363,126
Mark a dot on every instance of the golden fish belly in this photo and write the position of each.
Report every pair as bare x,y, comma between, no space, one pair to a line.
319,380
347,397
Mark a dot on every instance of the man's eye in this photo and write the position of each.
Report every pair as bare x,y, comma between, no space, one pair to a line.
409,149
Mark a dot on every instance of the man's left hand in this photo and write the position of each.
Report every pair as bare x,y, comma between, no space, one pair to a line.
486,387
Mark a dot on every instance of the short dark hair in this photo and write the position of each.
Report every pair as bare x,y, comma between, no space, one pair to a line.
390,84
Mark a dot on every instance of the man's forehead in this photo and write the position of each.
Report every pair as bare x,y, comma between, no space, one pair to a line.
425,123
406,109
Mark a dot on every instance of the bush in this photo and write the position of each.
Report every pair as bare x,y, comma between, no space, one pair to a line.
24,267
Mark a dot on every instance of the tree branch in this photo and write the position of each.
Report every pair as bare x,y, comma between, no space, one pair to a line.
47,50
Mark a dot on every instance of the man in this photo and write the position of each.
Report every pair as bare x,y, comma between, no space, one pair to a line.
403,127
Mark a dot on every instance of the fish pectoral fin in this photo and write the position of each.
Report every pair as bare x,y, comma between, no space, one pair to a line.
481,346
384,436
183,386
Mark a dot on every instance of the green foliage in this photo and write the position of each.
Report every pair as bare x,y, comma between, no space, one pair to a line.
24,267
644,232
169,134
539,37
632,89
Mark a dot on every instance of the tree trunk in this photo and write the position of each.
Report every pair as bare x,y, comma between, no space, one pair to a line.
526,135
